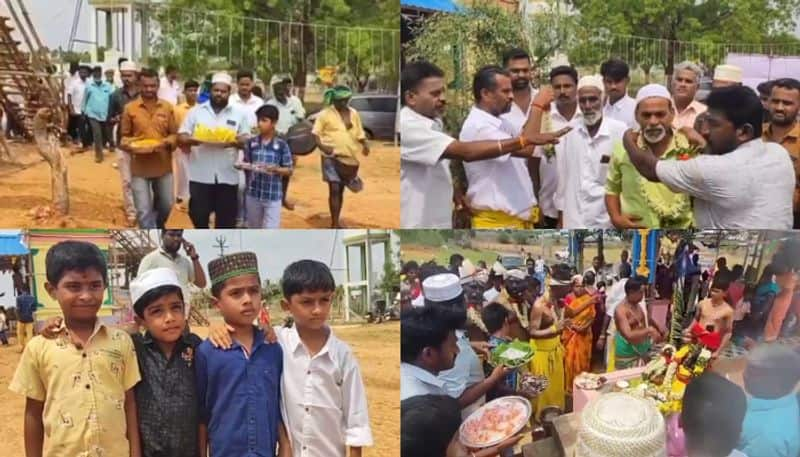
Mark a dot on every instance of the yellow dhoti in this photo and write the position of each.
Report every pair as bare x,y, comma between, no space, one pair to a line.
548,361
490,219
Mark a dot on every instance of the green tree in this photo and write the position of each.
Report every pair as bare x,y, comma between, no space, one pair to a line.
195,40
390,280
686,27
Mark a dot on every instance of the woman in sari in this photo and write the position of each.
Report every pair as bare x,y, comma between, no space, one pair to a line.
577,336
548,353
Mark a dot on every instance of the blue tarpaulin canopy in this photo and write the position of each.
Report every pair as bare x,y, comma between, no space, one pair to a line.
11,245
447,6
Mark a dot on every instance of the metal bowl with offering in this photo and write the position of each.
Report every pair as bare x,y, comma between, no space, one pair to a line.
532,384
590,381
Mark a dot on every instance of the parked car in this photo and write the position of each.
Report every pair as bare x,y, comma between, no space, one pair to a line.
510,262
378,114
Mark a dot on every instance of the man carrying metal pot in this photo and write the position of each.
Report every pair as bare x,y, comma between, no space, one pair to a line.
340,136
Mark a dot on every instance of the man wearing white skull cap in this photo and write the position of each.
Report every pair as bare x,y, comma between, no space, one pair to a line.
634,202
213,180
583,162
727,76
466,380
743,183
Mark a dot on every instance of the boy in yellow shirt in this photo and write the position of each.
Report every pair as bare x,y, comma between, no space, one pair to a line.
79,386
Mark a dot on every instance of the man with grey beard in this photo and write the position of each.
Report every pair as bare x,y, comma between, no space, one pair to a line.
633,202
583,164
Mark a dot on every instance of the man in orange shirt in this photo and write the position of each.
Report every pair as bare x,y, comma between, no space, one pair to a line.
784,128
148,117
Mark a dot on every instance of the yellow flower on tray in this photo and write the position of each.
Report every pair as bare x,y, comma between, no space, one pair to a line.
214,135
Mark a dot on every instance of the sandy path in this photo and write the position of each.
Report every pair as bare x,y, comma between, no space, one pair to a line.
96,203
377,348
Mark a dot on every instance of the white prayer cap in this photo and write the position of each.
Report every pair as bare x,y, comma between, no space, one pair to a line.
516,274
591,81
151,279
730,73
499,269
442,287
467,271
652,90
128,66
576,280
279,78
221,77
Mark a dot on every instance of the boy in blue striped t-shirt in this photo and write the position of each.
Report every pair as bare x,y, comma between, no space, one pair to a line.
267,159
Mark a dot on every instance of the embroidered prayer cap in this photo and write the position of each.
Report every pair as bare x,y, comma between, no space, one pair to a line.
128,66
730,73
652,90
148,281
222,78
595,81
226,267
442,287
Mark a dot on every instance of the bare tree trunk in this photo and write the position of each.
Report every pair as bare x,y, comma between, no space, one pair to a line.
48,144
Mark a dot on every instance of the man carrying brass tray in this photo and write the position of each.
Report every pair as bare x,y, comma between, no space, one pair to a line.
340,136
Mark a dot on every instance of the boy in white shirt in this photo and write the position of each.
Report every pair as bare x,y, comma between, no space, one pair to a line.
324,405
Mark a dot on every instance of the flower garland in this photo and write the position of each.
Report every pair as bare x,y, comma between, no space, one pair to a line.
547,127
669,206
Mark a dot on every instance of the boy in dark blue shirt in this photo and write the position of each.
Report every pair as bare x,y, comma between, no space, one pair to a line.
239,389
267,160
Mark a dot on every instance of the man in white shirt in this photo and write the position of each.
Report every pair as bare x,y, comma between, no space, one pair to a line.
427,347
500,193
290,112
685,82
188,268
564,112
213,180
743,183
169,88
426,187
619,105
76,90
583,161
249,103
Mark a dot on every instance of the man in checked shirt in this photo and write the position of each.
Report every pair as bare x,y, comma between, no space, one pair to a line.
267,159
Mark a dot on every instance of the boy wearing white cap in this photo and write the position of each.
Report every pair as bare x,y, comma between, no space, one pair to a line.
213,180
583,163
167,389
633,202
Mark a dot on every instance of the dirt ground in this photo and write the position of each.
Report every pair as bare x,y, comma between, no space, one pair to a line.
25,196
377,348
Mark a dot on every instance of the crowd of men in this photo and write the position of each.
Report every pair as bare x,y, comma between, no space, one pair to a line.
582,153
242,181
454,316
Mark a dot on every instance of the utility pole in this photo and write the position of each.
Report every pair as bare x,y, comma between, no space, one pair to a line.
221,245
